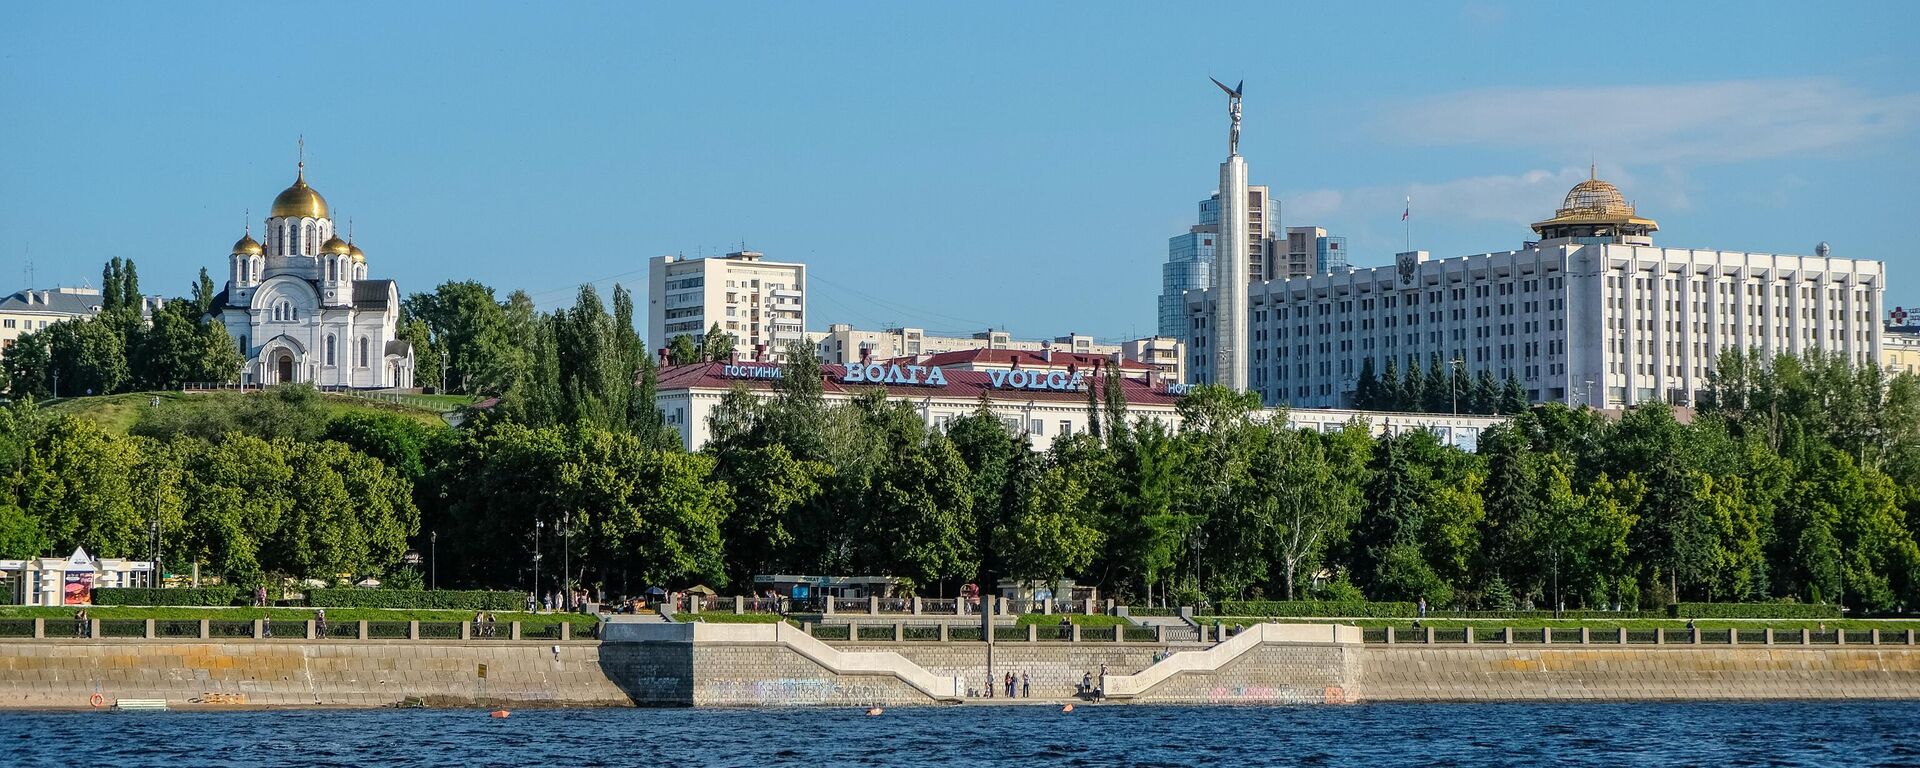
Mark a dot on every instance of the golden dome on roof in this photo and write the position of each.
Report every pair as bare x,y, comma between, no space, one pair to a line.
354,251
336,246
299,201
1594,197
1595,208
249,246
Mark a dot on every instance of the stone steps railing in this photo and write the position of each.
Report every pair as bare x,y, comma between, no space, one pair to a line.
1212,659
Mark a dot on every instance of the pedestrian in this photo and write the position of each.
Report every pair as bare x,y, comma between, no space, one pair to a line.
530,602
266,626
1423,608
320,623
79,623
990,685
1026,686
1009,685
490,623
1086,683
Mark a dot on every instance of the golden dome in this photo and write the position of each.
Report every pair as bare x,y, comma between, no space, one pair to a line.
1594,208
354,251
299,201
1594,197
249,246
337,246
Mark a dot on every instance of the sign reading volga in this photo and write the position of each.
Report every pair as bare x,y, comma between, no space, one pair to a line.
1044,381
884,373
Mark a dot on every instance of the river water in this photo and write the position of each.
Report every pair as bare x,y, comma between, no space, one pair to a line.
1713,734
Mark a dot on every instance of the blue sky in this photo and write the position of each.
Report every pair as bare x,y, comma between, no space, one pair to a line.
948,166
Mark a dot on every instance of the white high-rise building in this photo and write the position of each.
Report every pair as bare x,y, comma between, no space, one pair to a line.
762,304
1593,312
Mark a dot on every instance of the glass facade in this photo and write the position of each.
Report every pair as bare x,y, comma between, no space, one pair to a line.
1330,255
1189,267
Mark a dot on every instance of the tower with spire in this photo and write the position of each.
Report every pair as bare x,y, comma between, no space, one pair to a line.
301,307
1230,270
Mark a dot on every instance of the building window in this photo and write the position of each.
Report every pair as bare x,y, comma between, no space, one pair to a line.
330,359
363,351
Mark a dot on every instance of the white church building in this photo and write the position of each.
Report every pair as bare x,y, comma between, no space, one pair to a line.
301,308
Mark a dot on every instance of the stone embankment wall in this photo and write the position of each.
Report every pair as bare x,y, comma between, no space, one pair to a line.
1507,673
66,673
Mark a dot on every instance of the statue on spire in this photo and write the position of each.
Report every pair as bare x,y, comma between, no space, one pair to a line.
1233,111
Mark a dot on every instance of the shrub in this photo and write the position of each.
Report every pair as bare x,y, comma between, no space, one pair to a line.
147,596
1752,611
1316,608
1611,615
450,599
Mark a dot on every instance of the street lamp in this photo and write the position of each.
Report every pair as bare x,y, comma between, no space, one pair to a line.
433,560
566,557
537,525
1589,393
443,370
1453,385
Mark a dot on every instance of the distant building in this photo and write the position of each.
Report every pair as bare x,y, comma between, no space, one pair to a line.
1900,350
1311,252
32,310
762,304
842,344
1190,256
57,581
1592,313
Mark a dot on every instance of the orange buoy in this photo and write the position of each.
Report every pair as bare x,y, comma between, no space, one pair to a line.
874,711
500,714
1067,708
97,700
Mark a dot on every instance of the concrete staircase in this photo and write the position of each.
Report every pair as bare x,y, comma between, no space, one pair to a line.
1214,658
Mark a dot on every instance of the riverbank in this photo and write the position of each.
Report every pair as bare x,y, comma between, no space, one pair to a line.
649,663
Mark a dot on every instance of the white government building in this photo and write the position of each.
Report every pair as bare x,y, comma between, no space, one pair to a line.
301,308
1593,313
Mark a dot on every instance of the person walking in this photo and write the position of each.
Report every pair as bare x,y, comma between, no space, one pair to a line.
320,623
1026,685
266,626
1009,685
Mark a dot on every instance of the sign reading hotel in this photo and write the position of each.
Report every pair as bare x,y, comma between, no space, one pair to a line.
883,373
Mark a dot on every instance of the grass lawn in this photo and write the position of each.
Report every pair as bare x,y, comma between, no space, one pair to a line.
1884,625
288,614
1097,620
117,413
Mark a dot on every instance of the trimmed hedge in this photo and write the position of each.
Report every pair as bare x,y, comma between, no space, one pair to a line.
1612,615
184,596
1752,611
450,599
1316,608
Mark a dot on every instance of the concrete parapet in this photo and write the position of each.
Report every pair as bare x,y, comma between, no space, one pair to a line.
1343,639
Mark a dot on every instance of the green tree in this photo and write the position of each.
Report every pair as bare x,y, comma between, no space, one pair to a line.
720,346
1366,389
683,350
1513,399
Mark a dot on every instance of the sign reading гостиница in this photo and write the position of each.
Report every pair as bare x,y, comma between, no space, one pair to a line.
747,371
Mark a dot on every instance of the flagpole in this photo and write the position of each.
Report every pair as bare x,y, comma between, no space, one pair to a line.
1406,222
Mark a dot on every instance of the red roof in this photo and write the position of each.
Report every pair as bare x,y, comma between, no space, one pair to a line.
964,384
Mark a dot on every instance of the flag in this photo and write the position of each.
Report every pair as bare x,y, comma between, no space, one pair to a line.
1409,210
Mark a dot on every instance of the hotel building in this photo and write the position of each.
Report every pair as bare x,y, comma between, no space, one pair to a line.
1592,313
843,344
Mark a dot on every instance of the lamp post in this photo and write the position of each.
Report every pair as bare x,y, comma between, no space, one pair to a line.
443,370
433,560
1589,393
1453,385
566,558
537,525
